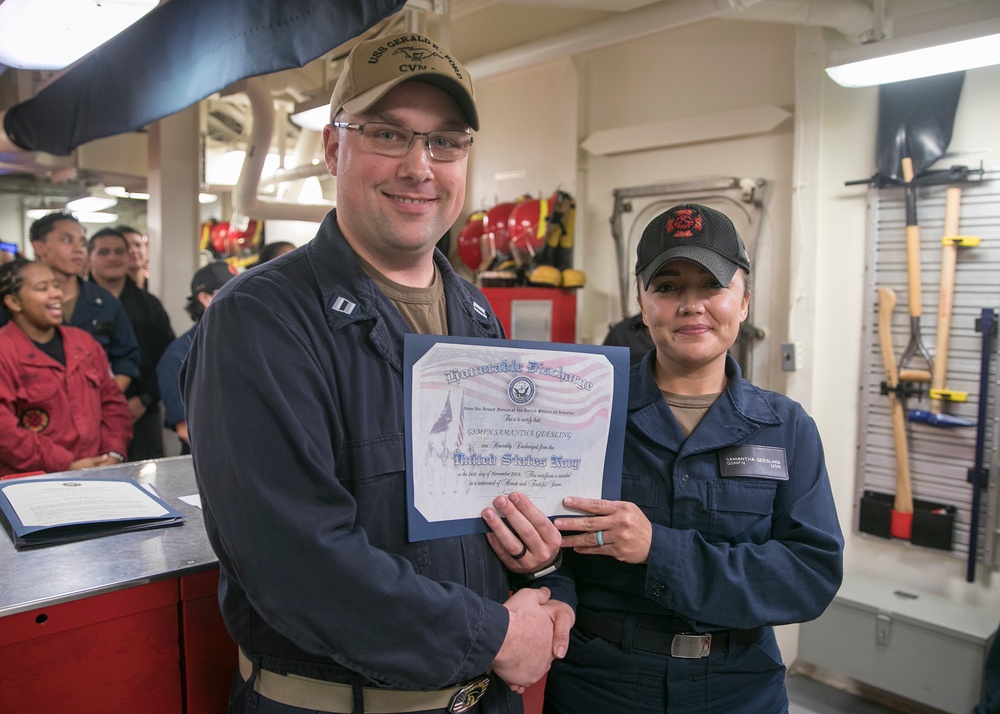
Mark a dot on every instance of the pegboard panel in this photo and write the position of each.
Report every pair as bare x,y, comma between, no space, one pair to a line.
940,458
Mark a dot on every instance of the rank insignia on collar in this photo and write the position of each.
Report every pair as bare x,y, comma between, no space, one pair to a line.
343,305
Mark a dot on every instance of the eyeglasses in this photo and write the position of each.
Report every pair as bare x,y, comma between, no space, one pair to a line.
393,140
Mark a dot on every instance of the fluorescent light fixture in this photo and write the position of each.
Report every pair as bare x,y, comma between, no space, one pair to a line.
314,119
36,213
950,49
120,192
91,203
95,217
53,34
205,198
312,114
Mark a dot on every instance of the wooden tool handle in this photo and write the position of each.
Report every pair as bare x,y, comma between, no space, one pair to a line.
904,495
914,375
912,240
886,304
913,269
949,252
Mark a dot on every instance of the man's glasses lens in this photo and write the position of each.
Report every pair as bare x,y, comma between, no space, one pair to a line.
394,140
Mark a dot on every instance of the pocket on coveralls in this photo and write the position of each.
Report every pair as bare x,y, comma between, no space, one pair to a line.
741,510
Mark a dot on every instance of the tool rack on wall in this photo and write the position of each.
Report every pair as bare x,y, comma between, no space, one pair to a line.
941,459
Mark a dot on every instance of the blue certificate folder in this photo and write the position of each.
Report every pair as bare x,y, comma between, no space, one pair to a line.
448,418
151,512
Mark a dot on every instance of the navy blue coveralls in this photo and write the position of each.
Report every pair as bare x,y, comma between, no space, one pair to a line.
294,394
745,536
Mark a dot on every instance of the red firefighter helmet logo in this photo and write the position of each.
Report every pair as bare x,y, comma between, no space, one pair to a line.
35,419
684,223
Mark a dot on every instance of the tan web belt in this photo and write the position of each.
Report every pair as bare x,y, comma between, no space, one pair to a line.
336,697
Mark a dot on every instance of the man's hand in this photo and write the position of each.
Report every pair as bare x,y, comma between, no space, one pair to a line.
526,653
563,618
137,408
91,462
534,542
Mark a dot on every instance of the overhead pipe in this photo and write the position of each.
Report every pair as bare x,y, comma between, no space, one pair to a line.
305,150
852,18
298,173
246,201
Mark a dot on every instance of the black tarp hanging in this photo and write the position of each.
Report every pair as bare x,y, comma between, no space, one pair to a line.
180,53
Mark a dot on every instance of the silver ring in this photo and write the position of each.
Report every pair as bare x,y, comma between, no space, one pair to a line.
600,537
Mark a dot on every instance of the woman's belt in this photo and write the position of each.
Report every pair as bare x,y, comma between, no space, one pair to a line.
685,645
338,698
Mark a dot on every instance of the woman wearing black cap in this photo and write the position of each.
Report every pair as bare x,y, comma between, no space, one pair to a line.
727,524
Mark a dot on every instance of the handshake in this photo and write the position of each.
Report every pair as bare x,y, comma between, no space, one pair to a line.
539,625
537,634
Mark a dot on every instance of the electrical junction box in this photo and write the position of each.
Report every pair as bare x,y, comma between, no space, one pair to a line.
919,646
791,356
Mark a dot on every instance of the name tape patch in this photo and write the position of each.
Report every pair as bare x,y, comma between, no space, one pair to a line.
754,462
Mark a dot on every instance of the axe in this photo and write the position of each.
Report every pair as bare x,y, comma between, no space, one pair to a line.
901,525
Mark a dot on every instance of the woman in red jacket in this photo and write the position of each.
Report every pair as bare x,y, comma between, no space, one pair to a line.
60,409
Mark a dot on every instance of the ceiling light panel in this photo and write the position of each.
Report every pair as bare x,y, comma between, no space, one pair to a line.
951,49
52,34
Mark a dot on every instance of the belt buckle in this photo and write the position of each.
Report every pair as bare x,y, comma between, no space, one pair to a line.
466,697
690,646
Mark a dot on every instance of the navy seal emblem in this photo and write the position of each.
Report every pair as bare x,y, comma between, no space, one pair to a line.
521,390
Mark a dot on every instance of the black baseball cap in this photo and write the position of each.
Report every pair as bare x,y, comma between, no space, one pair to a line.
696,233
212,277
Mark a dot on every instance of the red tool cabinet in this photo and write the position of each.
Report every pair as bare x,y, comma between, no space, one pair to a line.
541,314
116,652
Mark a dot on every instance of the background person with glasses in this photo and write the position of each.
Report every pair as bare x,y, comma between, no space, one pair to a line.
294,393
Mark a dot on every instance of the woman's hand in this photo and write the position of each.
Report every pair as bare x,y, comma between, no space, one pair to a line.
616,528
91,462
533,543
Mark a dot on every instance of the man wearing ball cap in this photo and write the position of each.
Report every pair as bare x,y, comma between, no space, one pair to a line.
294,389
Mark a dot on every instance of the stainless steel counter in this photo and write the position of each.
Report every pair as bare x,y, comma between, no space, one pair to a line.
59,573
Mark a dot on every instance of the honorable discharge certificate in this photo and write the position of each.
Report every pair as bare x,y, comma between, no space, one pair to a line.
488,417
